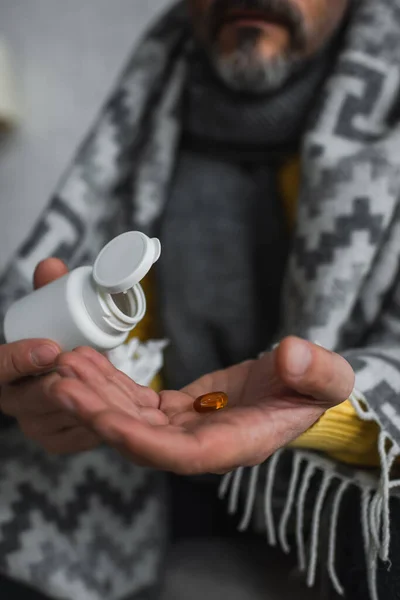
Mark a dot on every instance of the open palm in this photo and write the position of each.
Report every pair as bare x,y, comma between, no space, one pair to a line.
272,401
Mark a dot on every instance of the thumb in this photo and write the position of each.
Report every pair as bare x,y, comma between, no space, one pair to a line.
48,270
25,358
313,371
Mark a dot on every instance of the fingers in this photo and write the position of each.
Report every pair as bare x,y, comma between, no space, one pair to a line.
31,357
91,367
86,403
92,388
144,395
78,398
89,384
39,418
26,358
47,271
313,371
29,398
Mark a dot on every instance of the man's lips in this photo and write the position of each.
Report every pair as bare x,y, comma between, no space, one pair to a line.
250,17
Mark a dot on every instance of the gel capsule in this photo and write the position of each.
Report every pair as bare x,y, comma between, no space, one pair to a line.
211,402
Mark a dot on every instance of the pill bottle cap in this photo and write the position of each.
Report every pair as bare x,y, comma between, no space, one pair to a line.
125,261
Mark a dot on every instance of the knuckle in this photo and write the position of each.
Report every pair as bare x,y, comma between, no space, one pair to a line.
84,351
112,378
68,359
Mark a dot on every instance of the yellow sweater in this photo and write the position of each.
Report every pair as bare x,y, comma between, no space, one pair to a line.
339,433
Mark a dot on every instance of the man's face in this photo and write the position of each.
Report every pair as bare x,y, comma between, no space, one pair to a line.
256,44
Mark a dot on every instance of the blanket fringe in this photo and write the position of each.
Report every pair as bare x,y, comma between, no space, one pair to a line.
287,511
379,506
337,501
312,567
269,488
301,551
374,505
251,497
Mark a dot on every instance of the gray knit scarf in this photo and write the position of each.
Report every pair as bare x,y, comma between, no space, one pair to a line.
91,527
218,290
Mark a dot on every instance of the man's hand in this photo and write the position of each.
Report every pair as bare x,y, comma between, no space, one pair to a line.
272,401
26,396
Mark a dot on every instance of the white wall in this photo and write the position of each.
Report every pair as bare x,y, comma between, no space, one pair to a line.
66,56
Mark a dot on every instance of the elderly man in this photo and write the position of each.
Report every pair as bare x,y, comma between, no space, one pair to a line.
259,140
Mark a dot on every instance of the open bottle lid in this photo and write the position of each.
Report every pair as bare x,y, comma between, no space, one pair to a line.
125,261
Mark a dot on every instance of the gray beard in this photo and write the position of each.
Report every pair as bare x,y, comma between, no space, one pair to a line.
244,71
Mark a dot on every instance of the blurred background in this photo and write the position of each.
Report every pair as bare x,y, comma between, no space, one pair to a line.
63,57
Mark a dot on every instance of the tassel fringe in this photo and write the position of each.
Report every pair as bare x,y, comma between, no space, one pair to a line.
374,505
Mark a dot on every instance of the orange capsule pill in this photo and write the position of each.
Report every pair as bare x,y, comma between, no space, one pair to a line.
211,402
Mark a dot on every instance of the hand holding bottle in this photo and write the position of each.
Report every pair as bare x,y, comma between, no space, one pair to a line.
25,386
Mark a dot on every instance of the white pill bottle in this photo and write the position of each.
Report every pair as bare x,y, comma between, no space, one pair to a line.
91,306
